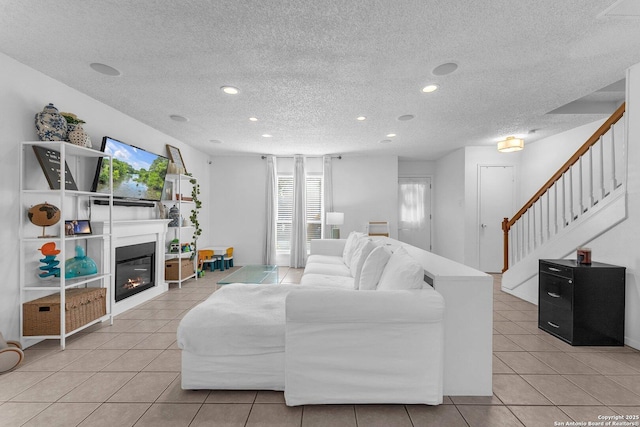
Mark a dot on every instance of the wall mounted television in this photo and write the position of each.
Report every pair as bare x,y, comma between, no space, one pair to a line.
137,173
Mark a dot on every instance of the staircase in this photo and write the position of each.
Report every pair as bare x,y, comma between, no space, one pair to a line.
582,200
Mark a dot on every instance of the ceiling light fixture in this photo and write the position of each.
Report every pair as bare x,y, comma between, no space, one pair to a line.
266,135
510,144
105,69
361,118
385,141
253,119
215,141
230,90
391,135
406,117
178,118
430,88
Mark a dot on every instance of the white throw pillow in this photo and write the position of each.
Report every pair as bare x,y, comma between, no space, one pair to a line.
349,246
401,272
372,269
360,254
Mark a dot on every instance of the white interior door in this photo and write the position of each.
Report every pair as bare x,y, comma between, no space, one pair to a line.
414,211
496,198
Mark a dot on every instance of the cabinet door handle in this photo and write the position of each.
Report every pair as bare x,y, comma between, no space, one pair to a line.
553,324
554,269
554,295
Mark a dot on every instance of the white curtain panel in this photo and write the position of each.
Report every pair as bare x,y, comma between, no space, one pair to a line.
298,256
412,196
269,256
327,173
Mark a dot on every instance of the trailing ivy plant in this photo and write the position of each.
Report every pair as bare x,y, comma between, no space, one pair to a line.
195,192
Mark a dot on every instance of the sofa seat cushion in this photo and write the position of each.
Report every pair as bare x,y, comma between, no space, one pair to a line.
325,259
326,281
328,269
238,319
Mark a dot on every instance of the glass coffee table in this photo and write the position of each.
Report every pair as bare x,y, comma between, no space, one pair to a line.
259,274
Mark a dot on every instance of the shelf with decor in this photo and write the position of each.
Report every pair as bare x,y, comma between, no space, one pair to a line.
180,256
65,271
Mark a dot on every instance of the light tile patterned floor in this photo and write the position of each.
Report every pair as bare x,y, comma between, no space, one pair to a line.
129,374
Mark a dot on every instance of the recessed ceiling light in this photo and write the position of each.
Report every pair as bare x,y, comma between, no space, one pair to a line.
253,119
361,118
444,69
430,88
406,117
104,69
266,135
230,90
215,141
178,118
391,135
385,141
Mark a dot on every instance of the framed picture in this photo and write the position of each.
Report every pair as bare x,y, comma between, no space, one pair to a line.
50,163
176,157
77,227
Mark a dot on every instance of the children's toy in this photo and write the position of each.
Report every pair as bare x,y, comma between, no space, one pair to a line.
50,267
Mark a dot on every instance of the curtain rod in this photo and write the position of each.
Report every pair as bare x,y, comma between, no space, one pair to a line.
308,157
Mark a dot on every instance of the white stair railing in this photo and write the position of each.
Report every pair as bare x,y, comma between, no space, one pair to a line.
579,185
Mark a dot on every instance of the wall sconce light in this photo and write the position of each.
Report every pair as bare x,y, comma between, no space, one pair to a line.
510,144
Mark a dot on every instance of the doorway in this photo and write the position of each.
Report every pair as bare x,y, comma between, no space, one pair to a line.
414,211
496,197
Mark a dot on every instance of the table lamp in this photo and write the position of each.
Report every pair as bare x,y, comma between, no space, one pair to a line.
333,219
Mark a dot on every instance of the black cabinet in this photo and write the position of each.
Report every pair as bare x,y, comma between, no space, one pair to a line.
582,304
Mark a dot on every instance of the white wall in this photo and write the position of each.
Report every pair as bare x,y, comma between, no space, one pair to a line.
449,205
408,168
238,189
366,189
541,159
23,93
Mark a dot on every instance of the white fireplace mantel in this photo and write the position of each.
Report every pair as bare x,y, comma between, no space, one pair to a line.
132,232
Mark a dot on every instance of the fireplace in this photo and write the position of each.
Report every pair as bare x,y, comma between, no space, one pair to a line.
135,269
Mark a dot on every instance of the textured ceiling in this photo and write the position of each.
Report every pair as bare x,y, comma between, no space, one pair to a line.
307,69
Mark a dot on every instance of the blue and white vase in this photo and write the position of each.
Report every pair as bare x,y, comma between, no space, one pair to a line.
51,125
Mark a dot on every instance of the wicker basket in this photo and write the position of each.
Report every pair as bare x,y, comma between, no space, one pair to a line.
171,268
42,316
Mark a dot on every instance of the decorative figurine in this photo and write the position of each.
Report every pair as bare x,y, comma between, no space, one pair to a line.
81,265
44,215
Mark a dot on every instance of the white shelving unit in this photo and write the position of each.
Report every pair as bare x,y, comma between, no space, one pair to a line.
73,205
182,186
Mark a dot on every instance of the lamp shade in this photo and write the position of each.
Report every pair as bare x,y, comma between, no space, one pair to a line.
510,144
335,218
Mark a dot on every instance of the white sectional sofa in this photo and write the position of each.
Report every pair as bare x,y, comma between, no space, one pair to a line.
362,327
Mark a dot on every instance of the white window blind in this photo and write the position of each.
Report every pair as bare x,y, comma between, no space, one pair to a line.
285,210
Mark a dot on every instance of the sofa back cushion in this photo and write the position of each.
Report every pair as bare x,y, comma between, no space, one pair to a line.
402,272
349,247
360,254
372,269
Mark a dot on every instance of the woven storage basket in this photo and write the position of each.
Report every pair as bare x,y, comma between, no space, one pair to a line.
171,268
42,316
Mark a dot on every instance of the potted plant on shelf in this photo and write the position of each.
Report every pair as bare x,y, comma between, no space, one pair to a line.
197,204
75,133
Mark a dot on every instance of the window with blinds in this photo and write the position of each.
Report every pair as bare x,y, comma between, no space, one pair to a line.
285,210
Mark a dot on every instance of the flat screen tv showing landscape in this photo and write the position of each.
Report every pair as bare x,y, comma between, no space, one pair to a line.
137,173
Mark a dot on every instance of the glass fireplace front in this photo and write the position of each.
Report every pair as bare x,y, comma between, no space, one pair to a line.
135,269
